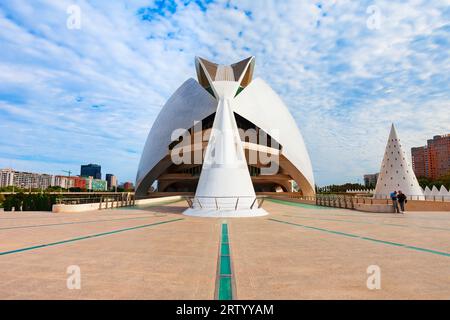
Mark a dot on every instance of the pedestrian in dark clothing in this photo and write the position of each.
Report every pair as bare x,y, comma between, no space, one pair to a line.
393,196
401,200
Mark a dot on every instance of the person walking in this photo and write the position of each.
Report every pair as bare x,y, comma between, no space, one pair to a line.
401,198
393,196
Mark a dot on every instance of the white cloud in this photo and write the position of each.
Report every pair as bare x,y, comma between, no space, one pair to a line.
91,95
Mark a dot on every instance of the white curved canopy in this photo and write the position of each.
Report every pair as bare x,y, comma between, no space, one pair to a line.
191,102
259,104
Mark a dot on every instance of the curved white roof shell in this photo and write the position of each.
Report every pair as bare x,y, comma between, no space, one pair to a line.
191,102
262,106
396,172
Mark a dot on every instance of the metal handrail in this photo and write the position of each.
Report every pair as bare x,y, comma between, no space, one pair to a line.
119,199
192,200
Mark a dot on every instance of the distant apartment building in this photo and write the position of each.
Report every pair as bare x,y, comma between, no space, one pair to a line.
370,180
91,170
62,182
6,177
111,180
99,185
95,184
433,160
128,186
25,180
79,182
420,161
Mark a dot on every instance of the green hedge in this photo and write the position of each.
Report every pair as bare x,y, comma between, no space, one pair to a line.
30,202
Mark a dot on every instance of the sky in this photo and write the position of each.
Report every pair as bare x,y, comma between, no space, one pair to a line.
77,91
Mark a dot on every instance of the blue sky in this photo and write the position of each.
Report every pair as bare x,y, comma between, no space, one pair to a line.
90,95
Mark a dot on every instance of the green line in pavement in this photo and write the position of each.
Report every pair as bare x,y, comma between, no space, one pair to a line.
225,291
302,205
225,249
225,265
365,238
74,222
86,237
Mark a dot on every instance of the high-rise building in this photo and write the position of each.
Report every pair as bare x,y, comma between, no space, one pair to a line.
370,180
111,180
433,160
420,161
91,170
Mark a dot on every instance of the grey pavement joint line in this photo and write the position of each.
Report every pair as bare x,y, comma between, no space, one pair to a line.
366,222
86,237
365,238
73,222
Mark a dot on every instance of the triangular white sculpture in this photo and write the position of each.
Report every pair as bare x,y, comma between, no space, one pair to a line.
427,192
434,191
396,172
225,187
444,194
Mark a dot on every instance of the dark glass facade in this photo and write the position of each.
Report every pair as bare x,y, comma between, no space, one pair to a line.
91,170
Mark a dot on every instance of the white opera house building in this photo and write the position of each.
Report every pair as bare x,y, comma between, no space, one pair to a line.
224,137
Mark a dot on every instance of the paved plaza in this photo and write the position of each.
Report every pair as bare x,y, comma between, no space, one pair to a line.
296,252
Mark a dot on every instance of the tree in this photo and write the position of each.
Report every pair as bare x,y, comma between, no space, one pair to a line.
441,181
2,199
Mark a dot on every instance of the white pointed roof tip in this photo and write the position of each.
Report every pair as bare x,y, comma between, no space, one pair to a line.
393,132
209,72
443,191
199,58
427,191
434,191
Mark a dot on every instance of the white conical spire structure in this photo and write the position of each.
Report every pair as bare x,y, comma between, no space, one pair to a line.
225,187
396,172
